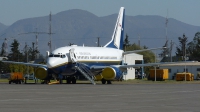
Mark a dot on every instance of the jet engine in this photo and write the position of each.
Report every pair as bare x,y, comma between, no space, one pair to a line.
41,73
98,77
111,73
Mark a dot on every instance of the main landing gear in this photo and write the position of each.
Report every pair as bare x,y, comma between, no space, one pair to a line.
103,81
71,80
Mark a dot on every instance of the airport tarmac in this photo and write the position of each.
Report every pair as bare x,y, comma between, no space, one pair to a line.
100,98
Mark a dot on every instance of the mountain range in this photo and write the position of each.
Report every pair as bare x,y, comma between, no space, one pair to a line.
82,28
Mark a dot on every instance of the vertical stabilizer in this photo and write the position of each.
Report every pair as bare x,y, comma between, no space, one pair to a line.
117,37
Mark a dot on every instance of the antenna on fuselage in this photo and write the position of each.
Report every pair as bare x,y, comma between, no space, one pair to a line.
98,42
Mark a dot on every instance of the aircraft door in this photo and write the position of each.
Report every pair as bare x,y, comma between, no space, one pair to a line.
72,55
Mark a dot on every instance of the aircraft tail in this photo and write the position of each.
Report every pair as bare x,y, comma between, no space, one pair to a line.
117,37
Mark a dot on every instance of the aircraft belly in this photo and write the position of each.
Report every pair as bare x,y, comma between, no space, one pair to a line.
64,70
70,68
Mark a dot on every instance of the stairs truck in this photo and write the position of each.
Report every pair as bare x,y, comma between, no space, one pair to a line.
16,77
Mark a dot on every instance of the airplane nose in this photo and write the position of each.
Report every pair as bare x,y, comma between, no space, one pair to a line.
51,63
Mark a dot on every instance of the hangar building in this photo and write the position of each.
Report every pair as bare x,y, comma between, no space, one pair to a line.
130,59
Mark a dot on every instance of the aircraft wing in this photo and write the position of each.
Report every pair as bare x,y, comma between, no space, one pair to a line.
156,64
28,64
146,64
136,51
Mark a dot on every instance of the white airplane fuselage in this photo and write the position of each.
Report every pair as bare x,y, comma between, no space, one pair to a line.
61,62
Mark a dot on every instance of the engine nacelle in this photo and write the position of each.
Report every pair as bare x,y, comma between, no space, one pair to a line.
41,73
98,77
111,73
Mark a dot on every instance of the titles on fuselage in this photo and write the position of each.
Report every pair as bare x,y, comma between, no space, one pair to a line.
94,57
84,53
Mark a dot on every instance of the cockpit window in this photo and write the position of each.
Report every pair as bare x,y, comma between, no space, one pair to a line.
51,55
57,55
63,56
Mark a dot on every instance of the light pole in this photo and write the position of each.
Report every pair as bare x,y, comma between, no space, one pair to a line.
155,66
26,48
184,55
125,60
185,62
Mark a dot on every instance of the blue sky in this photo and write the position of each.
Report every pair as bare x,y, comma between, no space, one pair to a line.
187,11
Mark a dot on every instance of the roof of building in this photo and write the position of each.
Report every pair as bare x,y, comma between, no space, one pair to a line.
134,56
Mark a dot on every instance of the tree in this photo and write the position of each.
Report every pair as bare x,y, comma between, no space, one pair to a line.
4,68
194,48
181,51
32,52
3,52
126,43
15,54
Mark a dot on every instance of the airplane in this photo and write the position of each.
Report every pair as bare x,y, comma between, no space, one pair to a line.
99,63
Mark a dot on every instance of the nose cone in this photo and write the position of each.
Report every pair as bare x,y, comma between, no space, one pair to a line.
51,62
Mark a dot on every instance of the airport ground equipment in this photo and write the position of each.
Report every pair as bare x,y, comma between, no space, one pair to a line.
161,74
198,76
55,82
181,76
86,72
16,77
30,78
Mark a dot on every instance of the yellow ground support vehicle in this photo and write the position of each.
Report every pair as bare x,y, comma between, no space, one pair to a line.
181,76
161,74
16,77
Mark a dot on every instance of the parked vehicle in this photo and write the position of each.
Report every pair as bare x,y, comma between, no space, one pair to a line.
16,77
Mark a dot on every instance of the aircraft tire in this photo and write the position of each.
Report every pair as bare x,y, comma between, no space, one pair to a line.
68,80
109,82
41,82
103,81
73,80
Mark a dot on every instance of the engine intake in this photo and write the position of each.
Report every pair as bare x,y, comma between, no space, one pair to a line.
41,73
111,73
